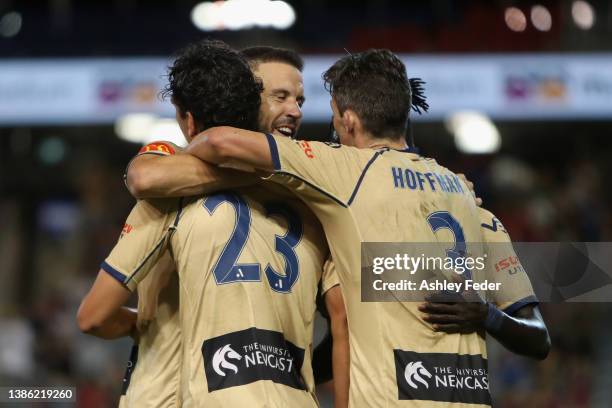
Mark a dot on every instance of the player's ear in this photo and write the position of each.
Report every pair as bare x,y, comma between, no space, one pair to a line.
349,121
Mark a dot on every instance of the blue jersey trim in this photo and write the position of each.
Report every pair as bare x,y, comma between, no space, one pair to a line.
363,173
139,268
410,149
516,306
113,272
309,184
178,213
274,151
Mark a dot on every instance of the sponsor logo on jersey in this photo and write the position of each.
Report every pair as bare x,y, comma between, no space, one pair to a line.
510,264
220,360
494,226
306,148
127,228
250,355
444,377
157,148
414,374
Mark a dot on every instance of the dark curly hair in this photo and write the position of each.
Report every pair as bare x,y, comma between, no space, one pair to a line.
374,84
215,84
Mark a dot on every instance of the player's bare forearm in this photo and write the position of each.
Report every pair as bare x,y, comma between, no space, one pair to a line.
233,147
340,348
102,305
524,333
121,324
152,176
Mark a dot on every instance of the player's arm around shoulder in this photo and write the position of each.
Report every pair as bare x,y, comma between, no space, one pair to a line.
163,169
233,147
330,169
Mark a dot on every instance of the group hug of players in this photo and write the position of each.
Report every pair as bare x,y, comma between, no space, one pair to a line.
234,238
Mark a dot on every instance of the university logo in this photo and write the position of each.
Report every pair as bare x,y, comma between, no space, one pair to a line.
443,377
245,356
414,372
220,360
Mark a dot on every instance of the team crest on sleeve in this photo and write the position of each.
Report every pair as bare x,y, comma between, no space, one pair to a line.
161,148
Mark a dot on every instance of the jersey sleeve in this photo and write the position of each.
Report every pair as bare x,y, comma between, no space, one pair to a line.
329,278
313,169
144,239
504,267
159,148
152,285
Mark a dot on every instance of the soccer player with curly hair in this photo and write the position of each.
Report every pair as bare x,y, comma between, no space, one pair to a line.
248,259
165,174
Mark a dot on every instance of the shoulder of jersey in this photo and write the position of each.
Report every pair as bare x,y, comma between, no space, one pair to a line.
159,147
489,222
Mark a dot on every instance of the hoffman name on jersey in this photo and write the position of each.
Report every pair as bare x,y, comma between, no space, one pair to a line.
415,180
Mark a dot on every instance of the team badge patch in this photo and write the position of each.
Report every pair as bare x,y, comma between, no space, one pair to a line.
250,355
162,148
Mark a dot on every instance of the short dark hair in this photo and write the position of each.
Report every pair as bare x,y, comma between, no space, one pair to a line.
375,85
215,84
257,55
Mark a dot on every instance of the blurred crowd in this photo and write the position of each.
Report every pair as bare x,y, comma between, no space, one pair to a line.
66,237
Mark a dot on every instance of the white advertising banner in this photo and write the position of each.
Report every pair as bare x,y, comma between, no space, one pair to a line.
507,87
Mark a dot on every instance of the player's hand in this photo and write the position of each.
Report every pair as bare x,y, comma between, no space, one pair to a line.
459,317
470,185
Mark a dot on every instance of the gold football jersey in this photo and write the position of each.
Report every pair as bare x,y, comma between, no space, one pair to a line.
249,262
365,195
153,373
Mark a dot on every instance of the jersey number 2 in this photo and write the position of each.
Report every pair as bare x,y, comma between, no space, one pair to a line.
444,220
227,270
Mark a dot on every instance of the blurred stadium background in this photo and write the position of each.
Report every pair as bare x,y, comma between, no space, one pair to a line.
521,97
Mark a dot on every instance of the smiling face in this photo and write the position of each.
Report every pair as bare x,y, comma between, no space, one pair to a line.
281,99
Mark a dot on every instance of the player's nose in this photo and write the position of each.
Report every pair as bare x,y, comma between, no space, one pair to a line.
293,109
